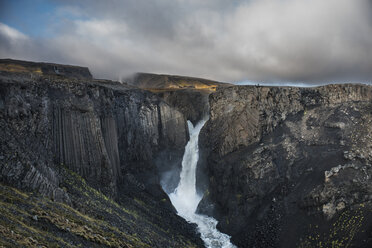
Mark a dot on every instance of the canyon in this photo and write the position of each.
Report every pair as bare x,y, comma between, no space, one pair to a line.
91,162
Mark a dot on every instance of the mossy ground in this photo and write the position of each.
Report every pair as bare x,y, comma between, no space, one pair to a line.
350,228
94,220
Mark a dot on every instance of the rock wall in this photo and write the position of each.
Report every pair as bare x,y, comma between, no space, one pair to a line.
241,115
100,129
97,146
282,161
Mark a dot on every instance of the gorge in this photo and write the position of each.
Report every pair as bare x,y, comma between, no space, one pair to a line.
186,199
98,163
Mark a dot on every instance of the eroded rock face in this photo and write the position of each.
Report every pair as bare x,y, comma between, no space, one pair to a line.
94,145
282,161
102,130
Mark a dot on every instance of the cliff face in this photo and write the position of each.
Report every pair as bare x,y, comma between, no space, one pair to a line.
110,134
290,166
98,130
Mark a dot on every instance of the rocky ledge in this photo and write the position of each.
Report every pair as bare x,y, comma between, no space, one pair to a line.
290,167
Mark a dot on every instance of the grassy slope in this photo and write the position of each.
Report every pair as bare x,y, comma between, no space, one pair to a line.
29,220
160,83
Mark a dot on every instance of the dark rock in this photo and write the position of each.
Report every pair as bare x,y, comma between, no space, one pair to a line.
98,129
193,104
105,133
282,160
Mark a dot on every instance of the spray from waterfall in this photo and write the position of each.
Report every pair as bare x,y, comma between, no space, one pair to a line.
186,199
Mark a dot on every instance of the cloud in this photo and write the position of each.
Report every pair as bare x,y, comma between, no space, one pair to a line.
11,33
226,40
10,40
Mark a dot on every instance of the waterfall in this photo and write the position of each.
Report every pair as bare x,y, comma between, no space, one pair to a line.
186,199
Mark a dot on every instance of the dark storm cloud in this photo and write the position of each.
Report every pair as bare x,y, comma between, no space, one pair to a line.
262,40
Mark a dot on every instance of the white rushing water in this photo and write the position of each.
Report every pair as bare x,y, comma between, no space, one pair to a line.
186,199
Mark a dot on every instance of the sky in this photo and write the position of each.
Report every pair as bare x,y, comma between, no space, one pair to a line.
298,41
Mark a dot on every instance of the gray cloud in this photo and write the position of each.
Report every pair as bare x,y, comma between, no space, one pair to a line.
261,40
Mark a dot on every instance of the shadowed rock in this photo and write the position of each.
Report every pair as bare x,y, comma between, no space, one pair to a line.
106,132
284,160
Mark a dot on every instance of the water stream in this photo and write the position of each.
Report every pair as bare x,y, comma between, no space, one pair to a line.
186,199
